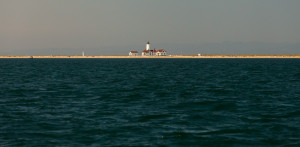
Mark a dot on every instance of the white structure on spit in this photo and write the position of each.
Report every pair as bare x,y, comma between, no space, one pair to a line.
133,53
161,52
149,52
148,46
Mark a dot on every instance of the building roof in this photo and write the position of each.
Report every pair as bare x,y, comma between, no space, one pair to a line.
161,50
134,52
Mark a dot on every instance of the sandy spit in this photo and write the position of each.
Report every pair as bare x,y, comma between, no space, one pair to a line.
170,56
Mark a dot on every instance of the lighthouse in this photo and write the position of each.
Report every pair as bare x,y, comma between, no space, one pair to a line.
148,46
149,52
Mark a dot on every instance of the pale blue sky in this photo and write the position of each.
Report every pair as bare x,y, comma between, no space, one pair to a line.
102,27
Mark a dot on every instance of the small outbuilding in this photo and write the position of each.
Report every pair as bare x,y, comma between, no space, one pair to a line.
161,52
133,53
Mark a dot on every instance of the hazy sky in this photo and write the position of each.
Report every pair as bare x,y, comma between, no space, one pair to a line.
101,27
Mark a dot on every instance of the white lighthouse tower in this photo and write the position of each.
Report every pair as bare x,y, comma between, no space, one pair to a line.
148,46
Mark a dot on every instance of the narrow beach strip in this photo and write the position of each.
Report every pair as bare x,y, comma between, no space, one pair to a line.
169,56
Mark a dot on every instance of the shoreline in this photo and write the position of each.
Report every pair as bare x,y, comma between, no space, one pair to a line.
170,56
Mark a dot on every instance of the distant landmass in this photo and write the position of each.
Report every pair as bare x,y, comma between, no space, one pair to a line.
169,56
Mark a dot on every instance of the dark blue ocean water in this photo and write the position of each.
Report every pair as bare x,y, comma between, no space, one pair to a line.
149,102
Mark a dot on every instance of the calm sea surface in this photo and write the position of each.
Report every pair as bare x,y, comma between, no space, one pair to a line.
149,102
